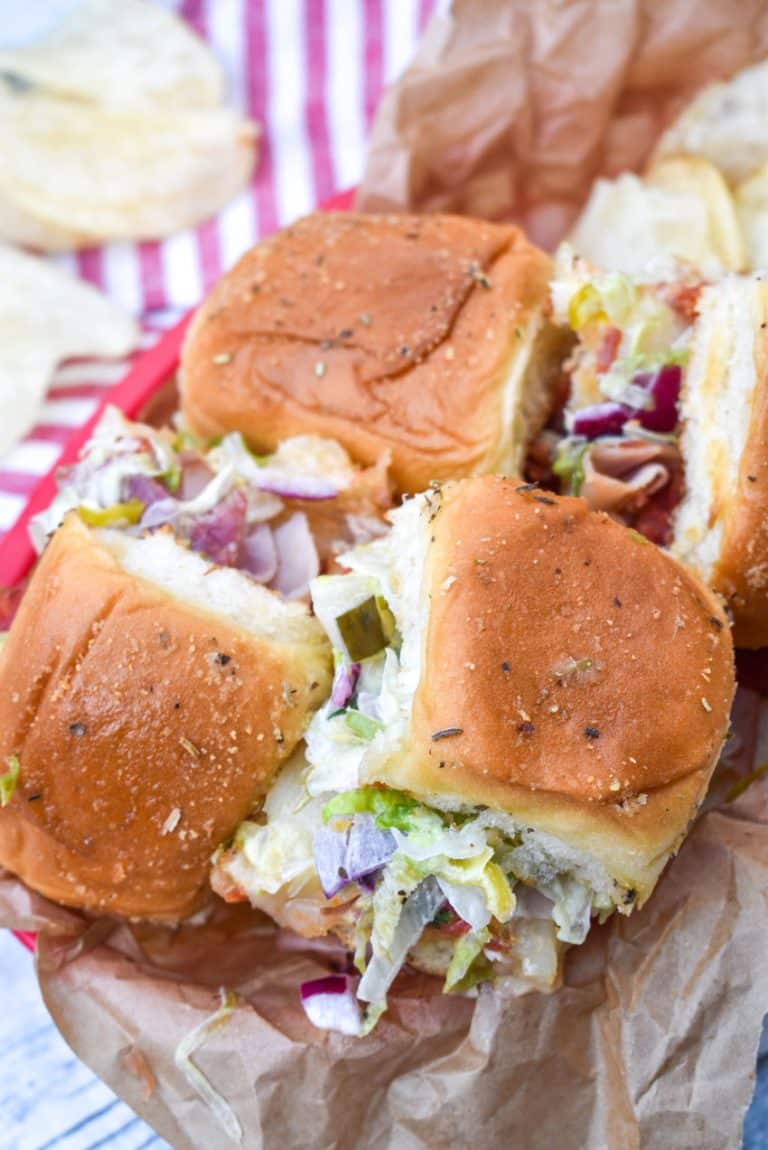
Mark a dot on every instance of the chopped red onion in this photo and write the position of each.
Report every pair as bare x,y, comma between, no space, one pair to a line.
288,486
297,558
160,513
147,491
259,556
219,533
331,984
195,476
600,419
330,850
330,1003
663,388
344,683
345,856
368,847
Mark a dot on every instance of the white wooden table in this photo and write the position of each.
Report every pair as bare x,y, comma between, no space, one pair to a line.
48,1098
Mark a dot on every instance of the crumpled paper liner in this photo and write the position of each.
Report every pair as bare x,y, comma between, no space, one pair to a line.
651,1042
512,108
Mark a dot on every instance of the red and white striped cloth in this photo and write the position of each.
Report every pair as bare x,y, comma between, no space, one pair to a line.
311,73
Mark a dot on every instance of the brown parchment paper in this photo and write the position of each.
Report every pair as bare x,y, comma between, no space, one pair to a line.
650,1043
513,107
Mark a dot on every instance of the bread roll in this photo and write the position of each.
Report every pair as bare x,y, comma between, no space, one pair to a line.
149,698
425,337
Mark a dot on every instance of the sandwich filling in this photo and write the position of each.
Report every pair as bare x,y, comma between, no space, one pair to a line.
467,892
617,441
281,519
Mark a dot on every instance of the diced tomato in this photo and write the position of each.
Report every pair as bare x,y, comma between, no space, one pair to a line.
608,349
456,928
682,298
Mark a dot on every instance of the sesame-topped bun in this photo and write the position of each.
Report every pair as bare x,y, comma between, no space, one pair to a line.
570,675
425,337
721,527
147,699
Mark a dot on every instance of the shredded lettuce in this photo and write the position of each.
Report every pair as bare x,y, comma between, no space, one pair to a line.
363,928
389,808
172,477
334,754
398,929
363,726
216,1102
481,872
572,910
609,298
569,464
429,837
466,949
9,780
469,902
398,880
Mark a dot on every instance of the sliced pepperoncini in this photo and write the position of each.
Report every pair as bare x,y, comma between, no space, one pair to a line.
130,512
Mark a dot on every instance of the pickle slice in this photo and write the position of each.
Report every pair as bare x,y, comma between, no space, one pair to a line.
367,628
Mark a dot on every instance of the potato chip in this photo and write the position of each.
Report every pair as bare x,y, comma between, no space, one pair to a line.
697,178
47,316
726,124
19,227
632,227
95,173
752,205
128,53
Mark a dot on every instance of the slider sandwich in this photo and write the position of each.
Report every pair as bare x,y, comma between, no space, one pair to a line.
148,697
666,426
157,673
425,337
502,761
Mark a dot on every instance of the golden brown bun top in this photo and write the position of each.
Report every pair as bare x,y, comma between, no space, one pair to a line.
146,729
384,332
575,658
